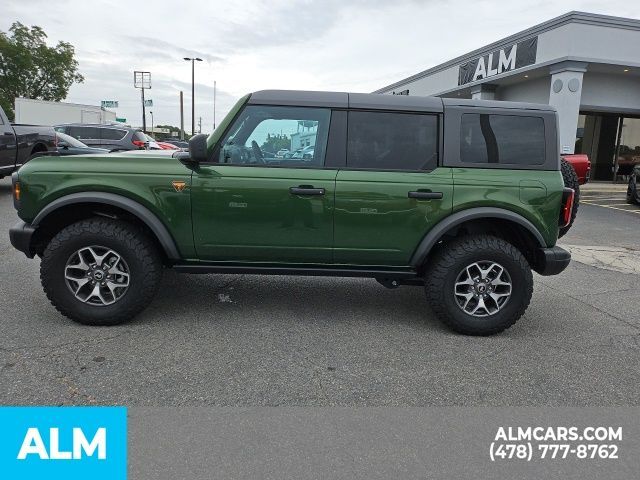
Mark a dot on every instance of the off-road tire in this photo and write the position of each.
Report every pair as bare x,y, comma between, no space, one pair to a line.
570,180
139,252
443,269
632,194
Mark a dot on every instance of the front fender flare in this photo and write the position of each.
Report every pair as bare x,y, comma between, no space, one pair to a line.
458,218
125,203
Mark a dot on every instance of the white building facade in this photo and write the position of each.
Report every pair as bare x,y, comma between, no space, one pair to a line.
586,65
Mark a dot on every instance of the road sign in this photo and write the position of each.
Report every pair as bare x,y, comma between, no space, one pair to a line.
121,120
141,79
148,103
109,104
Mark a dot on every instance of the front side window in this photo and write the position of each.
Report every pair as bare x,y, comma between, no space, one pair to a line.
392,141
261,132
502,139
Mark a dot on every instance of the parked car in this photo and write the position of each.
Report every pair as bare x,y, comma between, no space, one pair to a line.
282,152
112,137
296,154
177,143
307,152
67,145
633,191
151,143
20,142
378,202
167,146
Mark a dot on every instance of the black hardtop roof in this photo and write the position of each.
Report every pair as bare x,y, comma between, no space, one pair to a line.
376,101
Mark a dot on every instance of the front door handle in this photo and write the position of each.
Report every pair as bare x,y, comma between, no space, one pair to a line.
425,195
306,191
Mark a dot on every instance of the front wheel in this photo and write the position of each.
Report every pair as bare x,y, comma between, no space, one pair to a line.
479,285
100,271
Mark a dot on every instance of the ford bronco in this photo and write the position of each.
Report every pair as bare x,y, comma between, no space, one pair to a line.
462,197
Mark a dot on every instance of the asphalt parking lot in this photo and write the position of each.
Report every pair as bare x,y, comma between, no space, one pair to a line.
248,340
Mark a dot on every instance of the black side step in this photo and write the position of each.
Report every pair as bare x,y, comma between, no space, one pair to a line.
299,271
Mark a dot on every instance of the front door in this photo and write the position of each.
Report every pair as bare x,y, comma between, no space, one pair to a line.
391,193
266,196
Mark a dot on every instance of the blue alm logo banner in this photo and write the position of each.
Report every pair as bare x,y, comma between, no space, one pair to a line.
63,443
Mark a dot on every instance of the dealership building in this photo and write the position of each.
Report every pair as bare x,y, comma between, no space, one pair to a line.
586,65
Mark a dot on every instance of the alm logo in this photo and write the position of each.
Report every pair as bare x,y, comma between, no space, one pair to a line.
34,445
63,442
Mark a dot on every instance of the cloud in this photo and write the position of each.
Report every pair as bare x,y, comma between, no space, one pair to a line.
354,45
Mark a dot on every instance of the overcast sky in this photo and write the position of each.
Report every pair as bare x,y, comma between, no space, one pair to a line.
347,45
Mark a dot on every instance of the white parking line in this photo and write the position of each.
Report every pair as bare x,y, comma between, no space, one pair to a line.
637,212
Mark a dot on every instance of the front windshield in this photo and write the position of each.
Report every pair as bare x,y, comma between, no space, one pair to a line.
69,140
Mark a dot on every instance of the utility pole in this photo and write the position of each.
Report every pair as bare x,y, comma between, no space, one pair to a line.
151,112
142,80
199,124
181,116
193,92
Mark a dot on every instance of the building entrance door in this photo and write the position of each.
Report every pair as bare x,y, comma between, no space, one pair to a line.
611,141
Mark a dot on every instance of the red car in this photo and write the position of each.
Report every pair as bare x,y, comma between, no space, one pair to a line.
581,164
167,146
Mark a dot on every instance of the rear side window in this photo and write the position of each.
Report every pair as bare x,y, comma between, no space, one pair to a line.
80,133
392,141
112,134
502,139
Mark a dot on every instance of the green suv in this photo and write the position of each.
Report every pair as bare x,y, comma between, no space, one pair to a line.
462,197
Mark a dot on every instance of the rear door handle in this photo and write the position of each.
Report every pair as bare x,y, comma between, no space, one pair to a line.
425,195
306,191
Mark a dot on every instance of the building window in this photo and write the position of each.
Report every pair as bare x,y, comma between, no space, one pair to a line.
392,141
503,139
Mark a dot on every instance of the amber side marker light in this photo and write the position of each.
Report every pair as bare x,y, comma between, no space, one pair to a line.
17,191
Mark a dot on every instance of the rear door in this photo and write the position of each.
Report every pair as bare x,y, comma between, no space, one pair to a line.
8,146
392,191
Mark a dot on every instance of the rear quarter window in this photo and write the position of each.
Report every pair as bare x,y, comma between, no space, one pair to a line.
112,134
502,139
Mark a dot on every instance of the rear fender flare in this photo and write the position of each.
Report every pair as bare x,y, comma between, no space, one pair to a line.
458,218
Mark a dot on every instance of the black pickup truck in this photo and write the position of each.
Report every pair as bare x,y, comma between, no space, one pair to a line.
19,142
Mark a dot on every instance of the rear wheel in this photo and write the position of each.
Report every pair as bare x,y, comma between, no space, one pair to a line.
479,285
100,271
570,180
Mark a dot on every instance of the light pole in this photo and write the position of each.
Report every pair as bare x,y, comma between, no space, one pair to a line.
193,92
151,122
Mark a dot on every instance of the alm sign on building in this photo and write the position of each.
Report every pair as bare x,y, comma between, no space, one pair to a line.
509,58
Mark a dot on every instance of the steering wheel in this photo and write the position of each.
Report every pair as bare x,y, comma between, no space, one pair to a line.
257,152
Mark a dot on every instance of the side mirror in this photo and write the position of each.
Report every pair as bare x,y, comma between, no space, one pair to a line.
198,148
63,144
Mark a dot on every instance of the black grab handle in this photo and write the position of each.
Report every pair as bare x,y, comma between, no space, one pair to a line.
306,191
425,195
